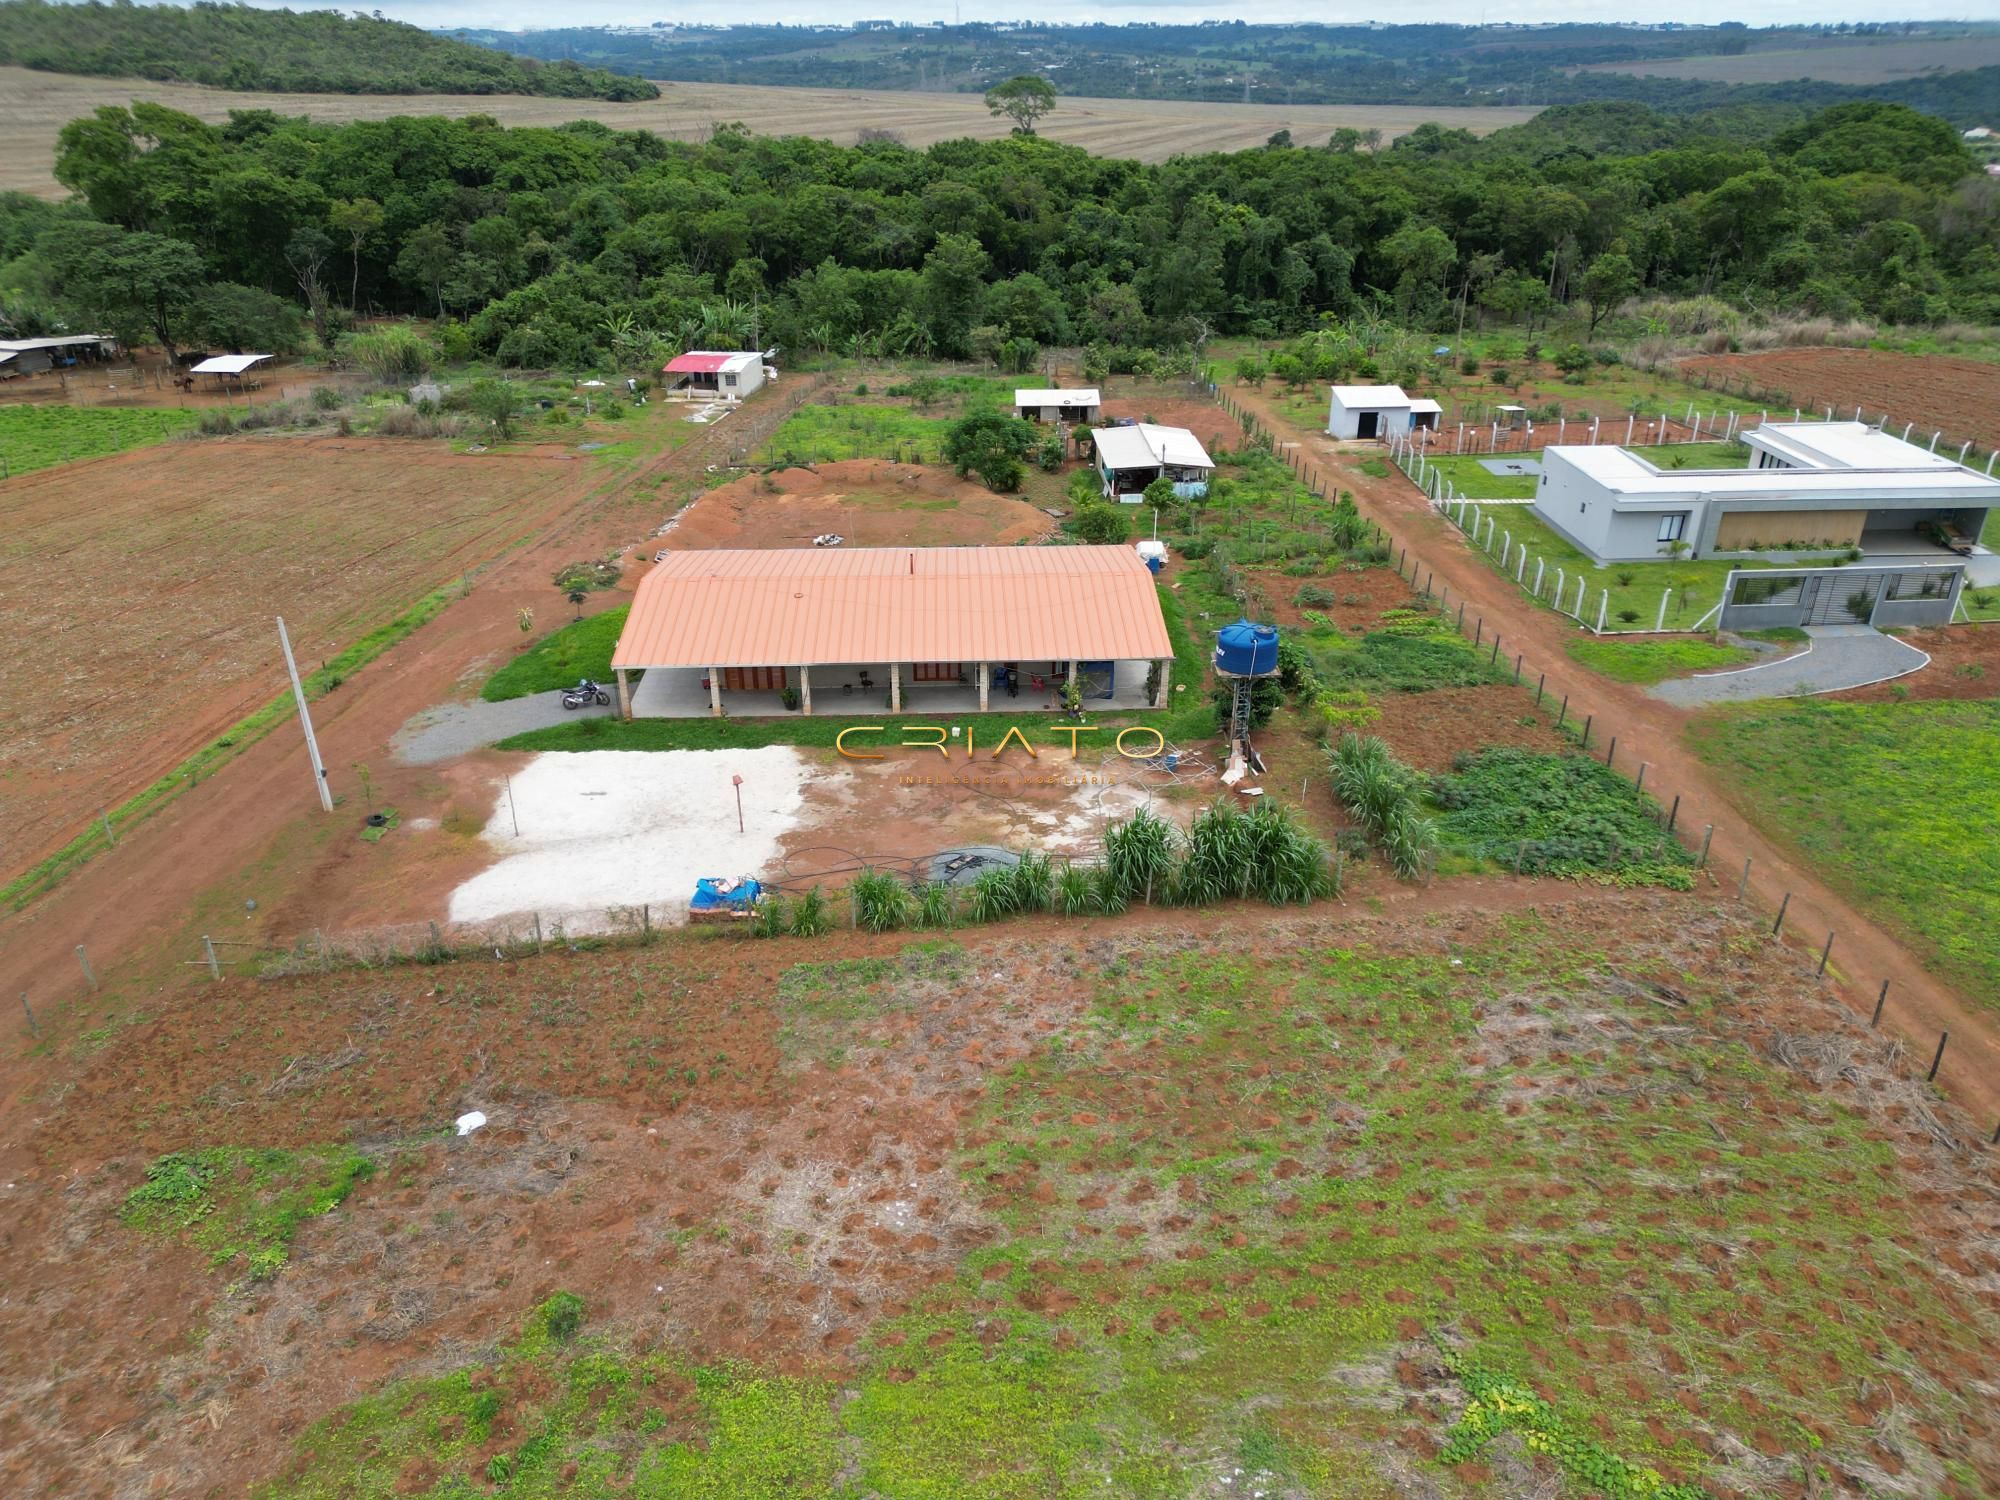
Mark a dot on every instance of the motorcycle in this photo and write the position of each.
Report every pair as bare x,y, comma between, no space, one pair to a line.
584,694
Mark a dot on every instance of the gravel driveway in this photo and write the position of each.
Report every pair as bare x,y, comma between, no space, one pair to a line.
1836,657
456,729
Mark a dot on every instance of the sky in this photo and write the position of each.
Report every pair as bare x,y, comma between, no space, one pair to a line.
517,15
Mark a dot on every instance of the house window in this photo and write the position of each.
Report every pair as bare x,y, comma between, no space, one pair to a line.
729,380
1673,527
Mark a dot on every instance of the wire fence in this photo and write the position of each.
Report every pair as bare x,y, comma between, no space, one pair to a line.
1589,727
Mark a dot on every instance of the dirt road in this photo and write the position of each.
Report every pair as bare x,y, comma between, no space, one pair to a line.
1920,1006
254,831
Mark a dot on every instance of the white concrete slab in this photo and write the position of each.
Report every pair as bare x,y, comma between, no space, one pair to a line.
605,828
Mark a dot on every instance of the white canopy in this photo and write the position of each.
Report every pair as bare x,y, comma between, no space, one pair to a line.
229,364
1076,396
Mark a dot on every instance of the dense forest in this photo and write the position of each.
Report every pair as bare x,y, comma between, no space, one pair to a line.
1290,64
580,245
235,47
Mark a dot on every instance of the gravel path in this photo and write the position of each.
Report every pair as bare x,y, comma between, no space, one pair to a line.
455,729
1836,657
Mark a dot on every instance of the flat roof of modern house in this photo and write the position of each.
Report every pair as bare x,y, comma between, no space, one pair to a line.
709,362
1370,395
808,606
1843,445
1144,446
1621,470
1081,396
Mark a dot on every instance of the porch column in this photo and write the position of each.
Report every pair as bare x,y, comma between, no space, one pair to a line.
985,682
1070,680
1166,670
895,687
715,691
805,690
624,694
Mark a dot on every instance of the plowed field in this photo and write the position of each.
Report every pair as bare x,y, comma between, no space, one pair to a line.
1959,396
137,593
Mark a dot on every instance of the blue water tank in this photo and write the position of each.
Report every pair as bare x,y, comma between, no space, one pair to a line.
1246,650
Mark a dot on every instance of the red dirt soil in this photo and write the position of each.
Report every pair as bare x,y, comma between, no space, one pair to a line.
255,831
1959,396
1649,730
140,592
1965,663
638,1099
869,501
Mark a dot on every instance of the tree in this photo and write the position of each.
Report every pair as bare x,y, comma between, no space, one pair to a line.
1607,282
954,278
134,284
306,253
1422,255
426,261
1278,140
495,400
1023,99
1251,370
991,445
1160,493
1101,525
357,218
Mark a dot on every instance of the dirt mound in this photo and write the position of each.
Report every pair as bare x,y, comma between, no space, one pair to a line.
869,501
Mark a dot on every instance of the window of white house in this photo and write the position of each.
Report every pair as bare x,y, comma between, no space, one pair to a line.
729,380
1673,527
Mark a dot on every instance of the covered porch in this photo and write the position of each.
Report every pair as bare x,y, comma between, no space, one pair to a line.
913,688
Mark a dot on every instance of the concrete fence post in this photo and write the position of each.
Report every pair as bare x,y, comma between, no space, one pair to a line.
1603,603
1562,583
1539,565
1661,622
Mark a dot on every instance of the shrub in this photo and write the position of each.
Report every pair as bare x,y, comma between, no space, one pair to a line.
1076,891
992,895
937,905
391,354
327,398
1033,882
1104,525
1382,795
1629,616
1314,596
1195,548
1138,859
809,916
882,903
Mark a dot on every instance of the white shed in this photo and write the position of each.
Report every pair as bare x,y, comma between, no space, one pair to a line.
1376,411
1080,404
1131,457
711,373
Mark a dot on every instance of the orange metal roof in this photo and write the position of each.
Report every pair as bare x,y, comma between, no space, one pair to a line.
807,606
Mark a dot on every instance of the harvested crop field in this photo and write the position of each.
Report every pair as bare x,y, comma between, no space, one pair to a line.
870,502
1050,1211
1959,396
1828,61
34,106
137,592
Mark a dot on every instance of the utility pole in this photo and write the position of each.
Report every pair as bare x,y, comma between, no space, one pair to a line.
305,721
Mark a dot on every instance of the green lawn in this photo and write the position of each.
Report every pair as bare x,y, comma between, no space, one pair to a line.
1696,584
1695,455
1655,659
827,434
581,648
1893,803
36,437
1471,478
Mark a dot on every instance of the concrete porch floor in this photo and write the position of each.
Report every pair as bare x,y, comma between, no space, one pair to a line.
677,693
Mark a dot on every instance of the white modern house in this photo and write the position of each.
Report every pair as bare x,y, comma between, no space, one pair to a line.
1807,487
1130,458
1377,411
729,376
1081,404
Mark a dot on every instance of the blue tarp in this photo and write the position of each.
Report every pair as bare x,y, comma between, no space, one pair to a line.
709,895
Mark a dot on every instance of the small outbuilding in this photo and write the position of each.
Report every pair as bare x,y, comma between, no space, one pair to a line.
1378,411
1130,458
1079,405
232,371
33,356
714,375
